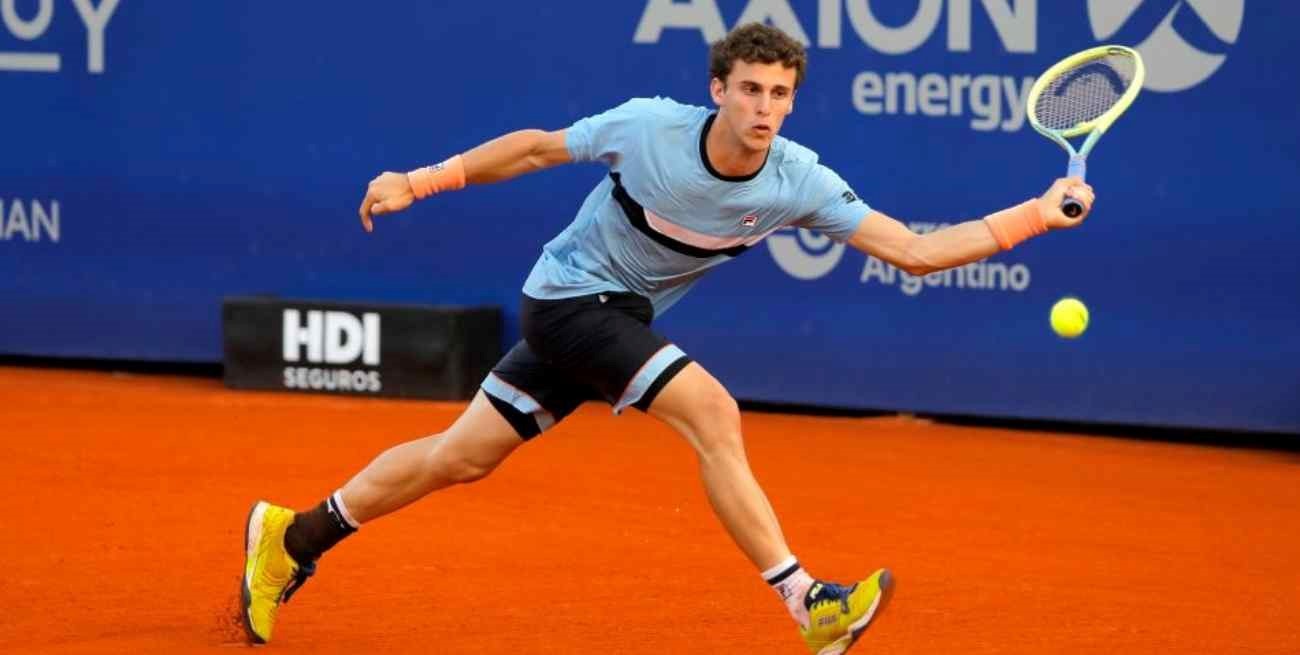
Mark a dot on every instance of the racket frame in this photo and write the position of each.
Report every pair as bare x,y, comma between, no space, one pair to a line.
1078,166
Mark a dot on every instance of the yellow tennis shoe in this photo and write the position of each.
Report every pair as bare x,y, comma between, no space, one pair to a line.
838,615
270,574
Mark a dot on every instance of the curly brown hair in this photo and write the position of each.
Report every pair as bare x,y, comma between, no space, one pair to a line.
756,42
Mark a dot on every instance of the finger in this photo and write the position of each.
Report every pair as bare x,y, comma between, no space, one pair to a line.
366,202
386,206
1084,193
364,212
1074,186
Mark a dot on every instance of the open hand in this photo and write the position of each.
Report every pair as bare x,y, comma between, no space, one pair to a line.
390,192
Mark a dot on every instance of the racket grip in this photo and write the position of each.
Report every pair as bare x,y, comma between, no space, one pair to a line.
1078,168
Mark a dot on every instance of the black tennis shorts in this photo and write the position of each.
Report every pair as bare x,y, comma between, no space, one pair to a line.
594,347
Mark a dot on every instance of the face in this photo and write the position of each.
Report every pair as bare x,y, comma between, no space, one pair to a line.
754,101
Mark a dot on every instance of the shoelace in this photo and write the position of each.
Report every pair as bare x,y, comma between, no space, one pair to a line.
832,593
299,579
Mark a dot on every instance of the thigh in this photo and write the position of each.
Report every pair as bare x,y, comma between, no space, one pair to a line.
481,435
604,341
530,394
698,407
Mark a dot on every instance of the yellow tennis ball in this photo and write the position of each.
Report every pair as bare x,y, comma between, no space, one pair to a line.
1069,317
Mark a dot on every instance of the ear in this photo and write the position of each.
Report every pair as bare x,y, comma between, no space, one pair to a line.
716,89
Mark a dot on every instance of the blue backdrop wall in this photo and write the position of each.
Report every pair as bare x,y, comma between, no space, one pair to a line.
157,156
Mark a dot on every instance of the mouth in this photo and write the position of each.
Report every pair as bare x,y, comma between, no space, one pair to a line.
762,130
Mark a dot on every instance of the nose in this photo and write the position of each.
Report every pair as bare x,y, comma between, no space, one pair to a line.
764,104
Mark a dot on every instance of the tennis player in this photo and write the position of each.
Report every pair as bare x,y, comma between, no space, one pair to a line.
688,188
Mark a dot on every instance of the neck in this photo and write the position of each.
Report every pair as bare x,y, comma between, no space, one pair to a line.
728,155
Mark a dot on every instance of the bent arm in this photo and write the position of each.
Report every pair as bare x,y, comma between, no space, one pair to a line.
515,154
502,158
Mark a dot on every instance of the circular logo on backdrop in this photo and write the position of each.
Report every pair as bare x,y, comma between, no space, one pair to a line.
803,254
1182,41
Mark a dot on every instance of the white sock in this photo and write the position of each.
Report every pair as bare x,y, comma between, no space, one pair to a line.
791,583
336,504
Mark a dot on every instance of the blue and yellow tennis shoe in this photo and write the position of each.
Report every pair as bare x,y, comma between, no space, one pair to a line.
838,615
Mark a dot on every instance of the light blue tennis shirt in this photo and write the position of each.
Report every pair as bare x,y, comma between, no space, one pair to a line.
663,216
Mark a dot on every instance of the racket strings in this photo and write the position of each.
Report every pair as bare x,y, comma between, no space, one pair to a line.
1085,92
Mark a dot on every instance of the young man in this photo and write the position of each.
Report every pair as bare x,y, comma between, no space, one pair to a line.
688,189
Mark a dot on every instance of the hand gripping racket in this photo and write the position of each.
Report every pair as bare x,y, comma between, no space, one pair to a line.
1083,94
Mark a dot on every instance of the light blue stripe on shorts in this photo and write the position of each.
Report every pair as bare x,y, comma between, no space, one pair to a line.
521,401
645,377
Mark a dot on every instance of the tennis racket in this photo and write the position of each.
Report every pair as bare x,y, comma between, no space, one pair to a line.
1084,94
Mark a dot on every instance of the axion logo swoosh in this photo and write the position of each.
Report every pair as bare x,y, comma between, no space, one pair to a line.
1183,42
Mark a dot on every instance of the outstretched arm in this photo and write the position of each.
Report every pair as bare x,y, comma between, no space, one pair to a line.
515,154
502,158
963,243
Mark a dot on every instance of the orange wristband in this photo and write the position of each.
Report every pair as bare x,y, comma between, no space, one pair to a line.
1015,224
447,176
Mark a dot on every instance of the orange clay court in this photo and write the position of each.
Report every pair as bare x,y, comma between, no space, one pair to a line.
126,496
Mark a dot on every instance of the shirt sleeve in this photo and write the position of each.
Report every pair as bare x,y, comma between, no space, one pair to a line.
605,136
836,210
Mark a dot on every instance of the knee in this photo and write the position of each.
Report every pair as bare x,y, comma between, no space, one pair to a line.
460,467
716,426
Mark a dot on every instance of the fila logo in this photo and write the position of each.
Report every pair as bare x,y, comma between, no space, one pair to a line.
331,337
849,197
749,220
